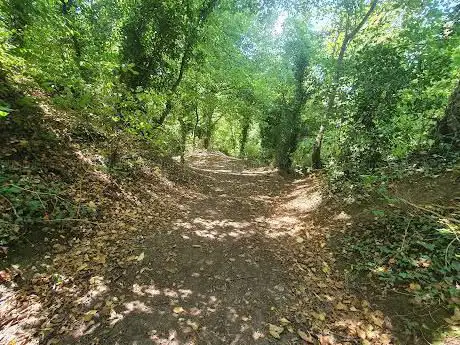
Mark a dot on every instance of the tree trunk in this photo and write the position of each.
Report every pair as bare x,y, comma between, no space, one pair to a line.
244,134
448,128
206,9
349,36
316,152
183,139
195,128
208,130
291,127
169,101
207,141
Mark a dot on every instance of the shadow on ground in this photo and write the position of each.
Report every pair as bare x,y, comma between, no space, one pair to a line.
216,259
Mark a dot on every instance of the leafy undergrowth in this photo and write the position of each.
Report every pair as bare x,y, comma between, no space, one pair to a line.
57,170
381,181
31,201
404,251
416,253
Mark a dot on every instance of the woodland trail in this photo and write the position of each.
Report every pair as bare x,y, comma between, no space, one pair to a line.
238,259
211,278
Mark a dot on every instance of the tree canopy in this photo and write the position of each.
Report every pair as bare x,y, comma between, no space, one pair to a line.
344,84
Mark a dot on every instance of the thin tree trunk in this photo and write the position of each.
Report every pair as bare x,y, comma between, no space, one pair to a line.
208,129
316,152
183,140
244,133
195,128
346,41
205,11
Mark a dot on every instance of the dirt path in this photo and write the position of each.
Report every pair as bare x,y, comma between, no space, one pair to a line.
210,278
238,252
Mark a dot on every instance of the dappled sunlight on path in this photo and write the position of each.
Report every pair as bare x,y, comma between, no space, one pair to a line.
233,257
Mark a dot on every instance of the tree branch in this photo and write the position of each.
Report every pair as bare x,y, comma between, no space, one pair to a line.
205,11
347,39
363,21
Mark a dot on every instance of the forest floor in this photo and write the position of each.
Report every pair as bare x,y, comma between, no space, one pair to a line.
214,252
235,254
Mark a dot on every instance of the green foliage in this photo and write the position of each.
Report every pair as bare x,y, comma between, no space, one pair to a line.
29,200
143,65
18,14
10,65
282,127
4,110
154,32
416,253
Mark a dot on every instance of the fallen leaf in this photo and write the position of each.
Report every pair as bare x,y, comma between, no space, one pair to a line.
371,333
257,335
192,324
361,333
5,276
178,310
284,321
89,315
319,316
377,320
275,331
100,259
82,267
4,250
305,336
340,306
141,257
414,286
385,339
326,340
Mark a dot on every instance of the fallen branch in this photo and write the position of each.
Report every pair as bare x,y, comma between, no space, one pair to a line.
73,220
11,204
453,220
405,235
446,254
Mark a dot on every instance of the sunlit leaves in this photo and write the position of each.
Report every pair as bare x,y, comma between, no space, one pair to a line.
4,111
